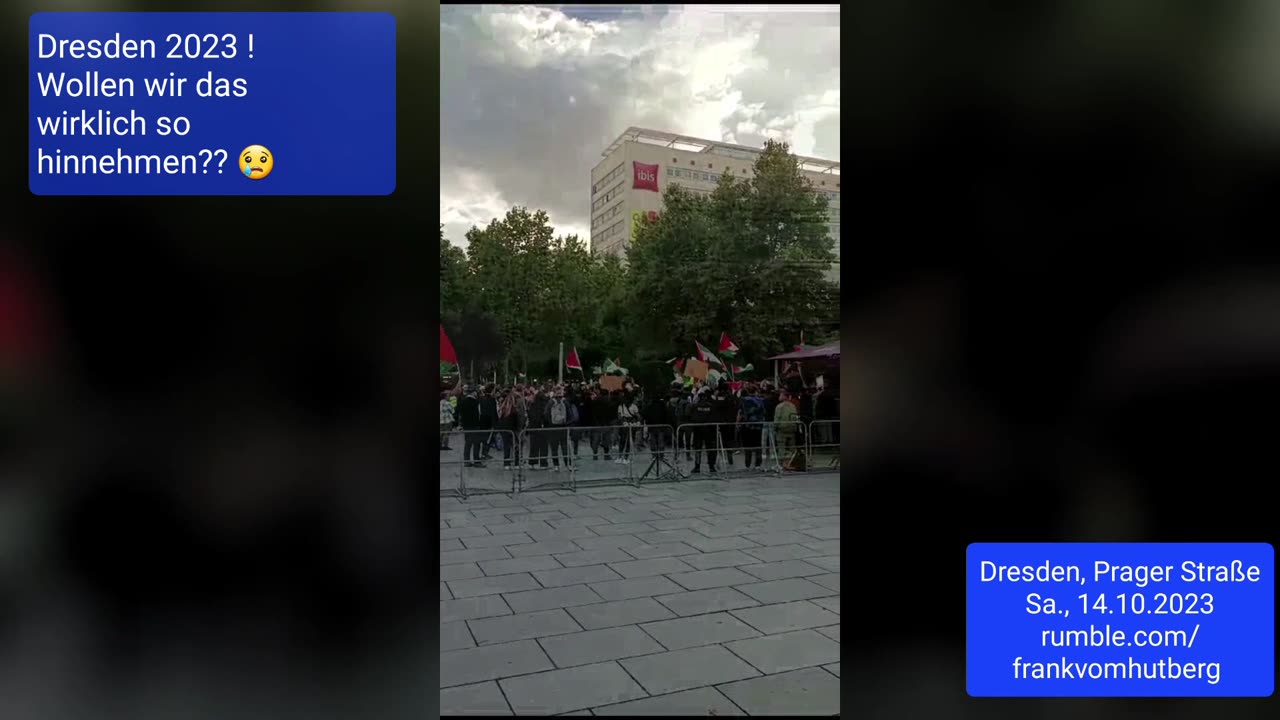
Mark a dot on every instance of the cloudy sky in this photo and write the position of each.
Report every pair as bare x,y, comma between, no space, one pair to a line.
531,95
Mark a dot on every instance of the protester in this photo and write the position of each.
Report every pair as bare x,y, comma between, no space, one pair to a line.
770,438
472,425
726,415
657,418
511,420
488,418
605,413
538,442
704,433
576,399
629,422
558,424
785,419
446,420
751,415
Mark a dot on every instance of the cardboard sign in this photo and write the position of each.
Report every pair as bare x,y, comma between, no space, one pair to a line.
696,369
611,382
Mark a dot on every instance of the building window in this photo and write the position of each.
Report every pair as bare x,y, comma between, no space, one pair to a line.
675,159
604,181
693,162
670,172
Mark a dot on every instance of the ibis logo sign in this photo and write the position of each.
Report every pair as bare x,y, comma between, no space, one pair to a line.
646,177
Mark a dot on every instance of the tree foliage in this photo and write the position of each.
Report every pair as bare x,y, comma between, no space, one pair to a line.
751,259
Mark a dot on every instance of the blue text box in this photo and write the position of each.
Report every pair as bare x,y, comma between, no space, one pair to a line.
316,90
1120,619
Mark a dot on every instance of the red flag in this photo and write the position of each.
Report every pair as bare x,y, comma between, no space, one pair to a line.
680,365
572,362
727,347
447,353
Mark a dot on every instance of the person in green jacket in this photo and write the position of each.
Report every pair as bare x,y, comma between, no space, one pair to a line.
786,419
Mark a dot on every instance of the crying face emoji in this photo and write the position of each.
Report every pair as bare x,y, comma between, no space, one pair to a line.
256,162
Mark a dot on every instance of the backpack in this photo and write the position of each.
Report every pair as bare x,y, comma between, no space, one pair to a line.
752,409
558,412
573,414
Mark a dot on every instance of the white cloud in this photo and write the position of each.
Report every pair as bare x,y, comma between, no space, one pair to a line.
530,96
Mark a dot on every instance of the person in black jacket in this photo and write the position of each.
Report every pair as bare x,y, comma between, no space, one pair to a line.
604,415
470,419
488,418
704,435
657,416
770,438
726,413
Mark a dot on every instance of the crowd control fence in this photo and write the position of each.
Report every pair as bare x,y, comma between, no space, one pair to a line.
471,463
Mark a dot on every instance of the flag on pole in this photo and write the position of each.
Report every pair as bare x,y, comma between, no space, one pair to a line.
705,355
727,347
447,353
572,362
609,367
741,369
678,363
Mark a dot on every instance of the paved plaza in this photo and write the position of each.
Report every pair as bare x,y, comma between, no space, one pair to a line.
702,597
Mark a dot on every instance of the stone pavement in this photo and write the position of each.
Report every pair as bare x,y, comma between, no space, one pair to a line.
694,598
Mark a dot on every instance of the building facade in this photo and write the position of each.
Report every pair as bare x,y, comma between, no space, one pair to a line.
637,167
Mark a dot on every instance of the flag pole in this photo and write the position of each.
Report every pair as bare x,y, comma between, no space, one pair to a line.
561,369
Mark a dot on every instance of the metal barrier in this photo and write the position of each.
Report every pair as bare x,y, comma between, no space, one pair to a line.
548,460
479,462
721,443
824,445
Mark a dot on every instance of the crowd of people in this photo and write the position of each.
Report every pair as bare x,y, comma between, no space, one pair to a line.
549,426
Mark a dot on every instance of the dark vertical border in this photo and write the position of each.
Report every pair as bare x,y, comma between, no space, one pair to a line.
426,168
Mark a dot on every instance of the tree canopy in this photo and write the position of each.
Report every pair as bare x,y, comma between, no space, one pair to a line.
751,258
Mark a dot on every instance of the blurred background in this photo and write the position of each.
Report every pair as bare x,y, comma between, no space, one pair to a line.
1066,308
211,479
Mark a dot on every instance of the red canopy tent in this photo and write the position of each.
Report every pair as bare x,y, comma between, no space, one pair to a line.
828,353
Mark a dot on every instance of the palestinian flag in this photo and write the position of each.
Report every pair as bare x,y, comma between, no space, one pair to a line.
748,368
447,353
572,362
727,348
705,355
677,363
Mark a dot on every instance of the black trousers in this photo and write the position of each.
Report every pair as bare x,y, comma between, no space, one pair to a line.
473,445
704,438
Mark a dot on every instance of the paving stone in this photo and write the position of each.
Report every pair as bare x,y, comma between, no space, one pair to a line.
620,528
487,541
581,521
471,556
828,603
455,636
828,532
635,587
492,585
781,552
646,568
576,576
825,547
490,662
779,591
480,699
544,516
684,513
463,532
706,579
649,552
516,528
577,688
698,630
832,632
785,651
668,536
690,703
607,542
593,646
717,544
447,545
491,631
518,565
698,602
784,569
621,612
713,560
678,524
722,531
556,597
833,668
685,669
831,563
592,557
778,537
565,533
830,581
444,592
811,691
473,607
637,516
548,547
785,617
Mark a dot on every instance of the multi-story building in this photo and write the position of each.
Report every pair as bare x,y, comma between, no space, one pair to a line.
640,164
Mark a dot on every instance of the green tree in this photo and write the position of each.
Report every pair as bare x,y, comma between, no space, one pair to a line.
454,277
750,259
